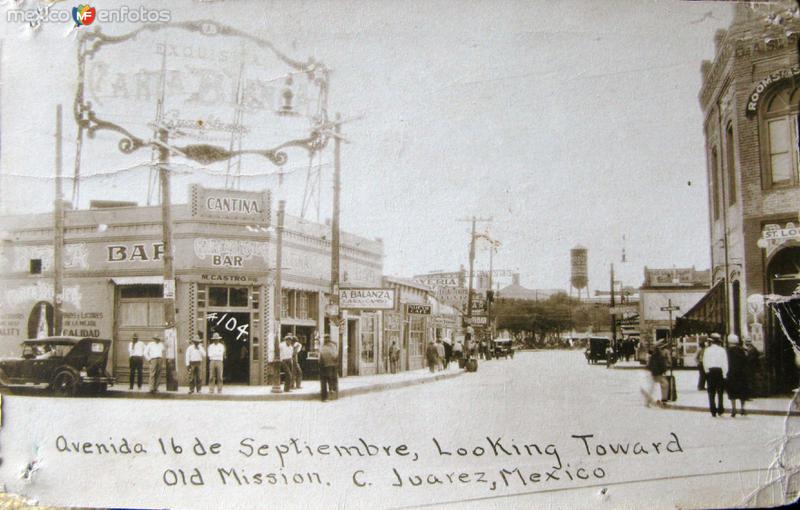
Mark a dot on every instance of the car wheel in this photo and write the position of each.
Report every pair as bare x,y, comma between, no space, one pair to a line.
65,384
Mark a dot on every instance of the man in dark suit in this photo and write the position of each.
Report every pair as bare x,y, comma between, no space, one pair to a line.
328,369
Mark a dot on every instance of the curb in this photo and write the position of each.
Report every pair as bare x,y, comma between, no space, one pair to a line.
759,412
358,390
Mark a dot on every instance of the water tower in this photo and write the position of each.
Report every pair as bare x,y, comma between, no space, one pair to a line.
580,275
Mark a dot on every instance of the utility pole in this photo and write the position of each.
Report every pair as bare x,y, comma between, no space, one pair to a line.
613,316
58,226
336,316
170,331
276,362
473,220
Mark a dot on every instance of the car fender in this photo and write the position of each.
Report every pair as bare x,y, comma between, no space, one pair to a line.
3,379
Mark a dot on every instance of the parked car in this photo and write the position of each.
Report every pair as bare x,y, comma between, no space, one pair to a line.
596,351
64,364
503,347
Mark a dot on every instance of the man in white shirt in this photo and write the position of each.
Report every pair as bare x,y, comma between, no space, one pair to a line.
136,360
154,353
216,355
715,363
297,372
195,355
286,354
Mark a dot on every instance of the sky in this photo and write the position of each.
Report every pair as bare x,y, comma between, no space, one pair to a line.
566,123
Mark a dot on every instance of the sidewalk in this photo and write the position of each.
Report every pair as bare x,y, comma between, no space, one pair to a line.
692,399
348,386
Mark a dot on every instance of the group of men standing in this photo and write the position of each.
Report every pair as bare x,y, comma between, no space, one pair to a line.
153,354
720,370
730,370
438,355
288,352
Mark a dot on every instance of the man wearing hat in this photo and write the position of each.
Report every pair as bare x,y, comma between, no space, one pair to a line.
154,353
286,355
136,360
195,355
715,363
216,356
657,365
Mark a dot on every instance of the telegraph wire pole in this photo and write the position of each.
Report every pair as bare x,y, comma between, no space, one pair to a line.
473,220
276,363
58,228
336,315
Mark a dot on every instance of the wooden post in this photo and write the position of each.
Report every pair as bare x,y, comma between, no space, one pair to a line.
58,227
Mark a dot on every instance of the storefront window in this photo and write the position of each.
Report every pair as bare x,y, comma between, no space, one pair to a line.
141,313
238,296
141,291
368,324
302,305
416,334
284,303
218,296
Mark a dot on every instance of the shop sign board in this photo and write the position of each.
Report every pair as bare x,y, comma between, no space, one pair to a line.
367,299
478,320
228,204
774,236
415,309
623,309
439,280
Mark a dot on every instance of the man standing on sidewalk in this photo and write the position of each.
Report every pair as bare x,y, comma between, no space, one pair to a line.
195,355
701,378
216,357
328,365
154,353
715,362
286,352
432,356
297,372
136,360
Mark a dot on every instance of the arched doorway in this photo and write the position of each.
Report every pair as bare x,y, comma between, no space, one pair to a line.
40,320
783,278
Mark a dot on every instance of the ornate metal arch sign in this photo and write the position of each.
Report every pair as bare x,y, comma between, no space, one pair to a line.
767,83
218,91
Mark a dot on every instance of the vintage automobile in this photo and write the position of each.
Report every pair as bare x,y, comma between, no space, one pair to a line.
64,364
596,351
503,347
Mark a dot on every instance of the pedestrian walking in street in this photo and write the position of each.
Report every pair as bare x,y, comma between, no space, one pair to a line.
458,350
195,354
738,381
609,356
657,366
286,354
297,372
448,352
701,372
432,356
136,361
715,363
439,354
328,371
154,354
216,359
394,357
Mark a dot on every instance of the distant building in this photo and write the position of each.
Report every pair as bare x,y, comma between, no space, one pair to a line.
750,99
517,291
677,288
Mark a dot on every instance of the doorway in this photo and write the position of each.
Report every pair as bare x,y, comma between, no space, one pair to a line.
783,272
352,347
234,328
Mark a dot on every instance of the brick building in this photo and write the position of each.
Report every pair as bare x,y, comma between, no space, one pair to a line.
749,97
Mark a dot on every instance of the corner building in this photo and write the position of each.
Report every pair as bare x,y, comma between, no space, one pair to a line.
224,259
749,98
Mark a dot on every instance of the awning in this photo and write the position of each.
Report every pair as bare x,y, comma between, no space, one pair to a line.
138,280
706,316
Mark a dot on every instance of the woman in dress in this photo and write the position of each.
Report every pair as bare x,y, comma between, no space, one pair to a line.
738,382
